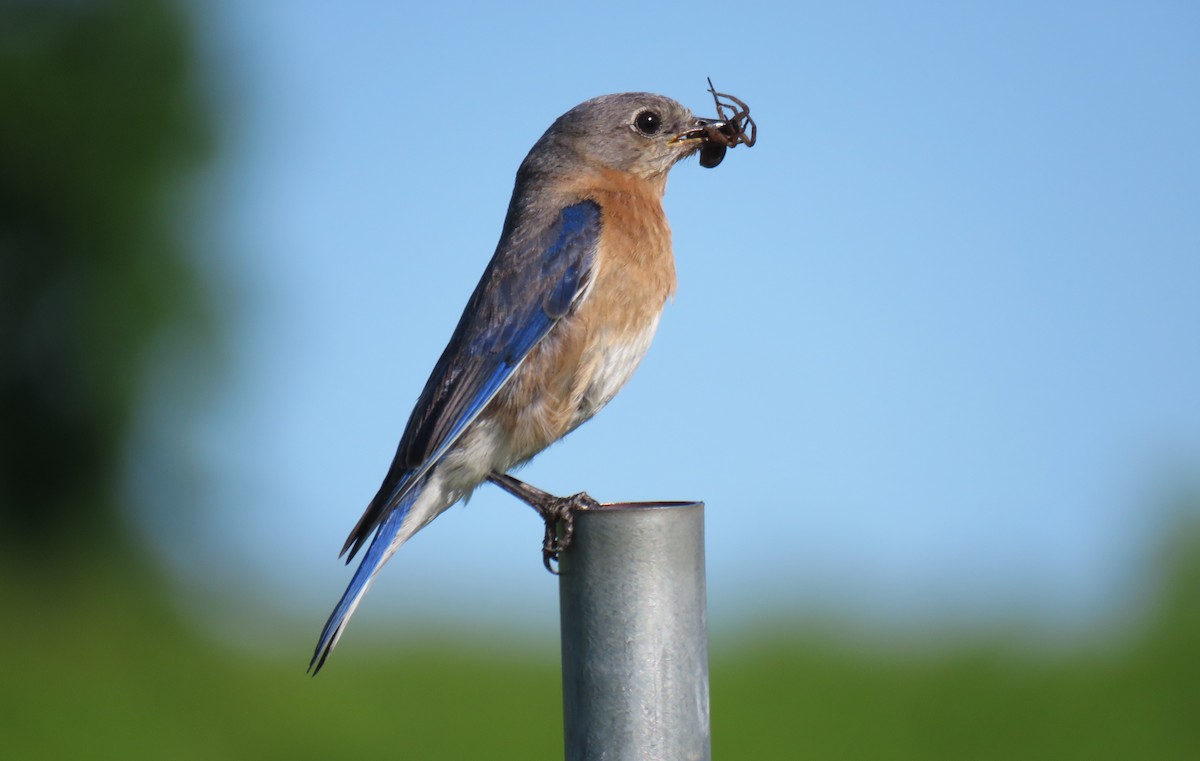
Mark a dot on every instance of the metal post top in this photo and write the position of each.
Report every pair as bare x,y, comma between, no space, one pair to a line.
657,505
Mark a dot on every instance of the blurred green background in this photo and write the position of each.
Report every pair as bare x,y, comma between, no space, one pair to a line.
105,123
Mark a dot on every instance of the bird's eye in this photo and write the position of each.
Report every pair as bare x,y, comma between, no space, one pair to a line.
647,122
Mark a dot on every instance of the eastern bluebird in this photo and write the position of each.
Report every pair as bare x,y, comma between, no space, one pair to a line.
559,321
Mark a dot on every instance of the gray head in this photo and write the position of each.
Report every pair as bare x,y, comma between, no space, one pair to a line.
636,132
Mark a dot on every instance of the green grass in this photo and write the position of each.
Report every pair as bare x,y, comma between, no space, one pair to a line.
100,668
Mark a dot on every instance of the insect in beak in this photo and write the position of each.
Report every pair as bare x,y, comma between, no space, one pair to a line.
726,131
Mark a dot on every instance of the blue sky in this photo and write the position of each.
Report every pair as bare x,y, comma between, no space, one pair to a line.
933,353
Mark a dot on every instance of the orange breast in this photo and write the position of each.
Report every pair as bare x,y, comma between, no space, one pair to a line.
590,354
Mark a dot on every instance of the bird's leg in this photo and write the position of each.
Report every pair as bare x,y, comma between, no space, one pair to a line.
552,509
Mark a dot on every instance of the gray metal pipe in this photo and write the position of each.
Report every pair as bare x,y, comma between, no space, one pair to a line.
635,634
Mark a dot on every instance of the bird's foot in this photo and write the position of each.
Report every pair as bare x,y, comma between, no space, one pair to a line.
561,511
555,511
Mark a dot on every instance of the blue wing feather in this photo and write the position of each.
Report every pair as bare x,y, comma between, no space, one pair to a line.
579,224
532,281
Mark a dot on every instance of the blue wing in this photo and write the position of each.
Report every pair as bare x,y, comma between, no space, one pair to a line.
537,274
531,283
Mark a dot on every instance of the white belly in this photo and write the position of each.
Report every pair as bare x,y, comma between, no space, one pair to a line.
613,363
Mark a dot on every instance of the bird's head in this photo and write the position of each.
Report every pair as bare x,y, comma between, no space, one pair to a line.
638,133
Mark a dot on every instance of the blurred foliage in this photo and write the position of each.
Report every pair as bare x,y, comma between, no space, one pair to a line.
1139,698
100,117
104,671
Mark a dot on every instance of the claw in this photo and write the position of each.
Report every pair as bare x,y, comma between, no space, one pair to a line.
562,512
554,510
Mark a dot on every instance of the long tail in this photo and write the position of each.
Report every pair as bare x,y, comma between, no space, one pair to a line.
387,539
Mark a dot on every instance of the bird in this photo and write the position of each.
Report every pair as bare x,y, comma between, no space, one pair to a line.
561,317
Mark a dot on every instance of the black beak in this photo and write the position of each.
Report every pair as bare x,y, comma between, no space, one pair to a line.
712,151
699,130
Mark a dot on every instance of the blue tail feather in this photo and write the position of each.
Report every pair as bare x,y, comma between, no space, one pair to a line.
371,562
